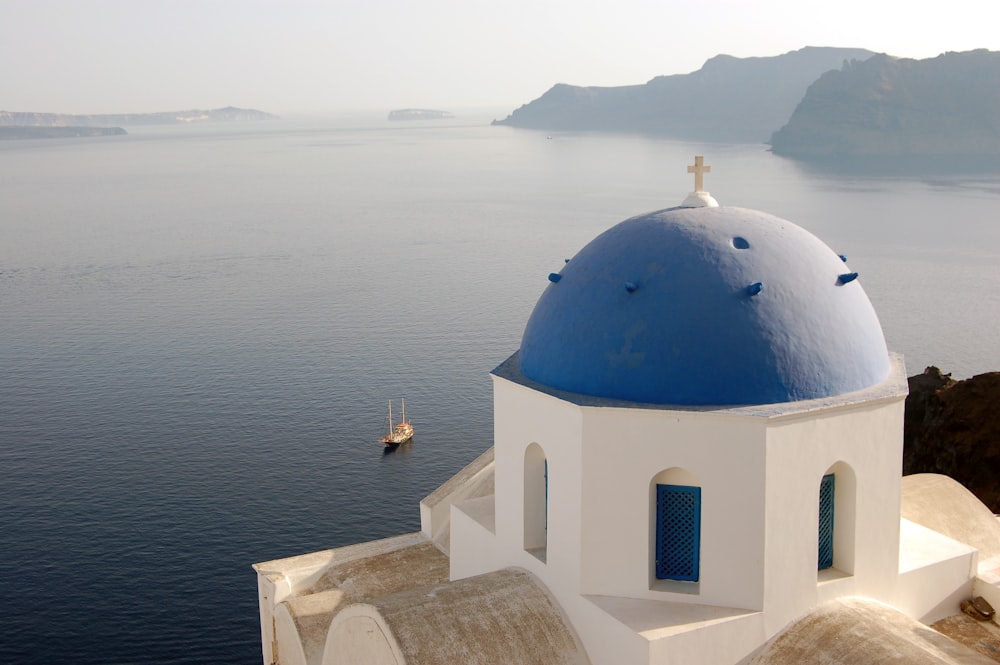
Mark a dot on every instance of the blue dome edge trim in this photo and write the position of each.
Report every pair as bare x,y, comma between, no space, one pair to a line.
894,386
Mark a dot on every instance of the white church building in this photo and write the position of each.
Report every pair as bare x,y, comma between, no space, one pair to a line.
697,460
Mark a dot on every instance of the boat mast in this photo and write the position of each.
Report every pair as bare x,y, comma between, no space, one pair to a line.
403,401
390,417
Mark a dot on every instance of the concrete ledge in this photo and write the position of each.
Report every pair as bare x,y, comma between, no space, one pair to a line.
987,583
672,632
655,620
481,510
475,480
473,524
935,573
299,571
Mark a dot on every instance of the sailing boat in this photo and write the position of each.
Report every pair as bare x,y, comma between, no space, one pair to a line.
400,433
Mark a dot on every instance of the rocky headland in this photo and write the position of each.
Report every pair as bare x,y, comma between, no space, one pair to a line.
899,107
953,427
728,99
831,106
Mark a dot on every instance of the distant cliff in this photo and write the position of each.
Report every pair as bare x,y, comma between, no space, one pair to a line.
728,99
227,114
896,107
20,132
953,427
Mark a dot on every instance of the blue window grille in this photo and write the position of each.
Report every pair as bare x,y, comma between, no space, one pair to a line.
678,532
546,472
826,488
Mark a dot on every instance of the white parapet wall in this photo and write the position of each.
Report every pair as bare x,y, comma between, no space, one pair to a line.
936,573
475,480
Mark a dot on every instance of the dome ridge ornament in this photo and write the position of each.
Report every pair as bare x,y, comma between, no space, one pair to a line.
699,169
699,198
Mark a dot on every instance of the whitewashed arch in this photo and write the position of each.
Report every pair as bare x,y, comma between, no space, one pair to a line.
844,516
535,501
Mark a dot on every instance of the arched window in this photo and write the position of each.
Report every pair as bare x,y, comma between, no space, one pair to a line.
827,489
837,511
677,526
678,532
536,501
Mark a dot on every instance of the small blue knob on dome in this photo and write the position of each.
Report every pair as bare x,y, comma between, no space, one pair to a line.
630,286
554,277
847,277
755,288
565,260
842,258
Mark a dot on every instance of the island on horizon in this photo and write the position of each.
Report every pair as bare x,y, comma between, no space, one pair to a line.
16,132
419,114
32,125
35,119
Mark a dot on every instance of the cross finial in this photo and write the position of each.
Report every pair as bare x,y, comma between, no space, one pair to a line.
699,170
699,198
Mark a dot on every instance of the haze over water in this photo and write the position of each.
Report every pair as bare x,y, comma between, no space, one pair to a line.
201,327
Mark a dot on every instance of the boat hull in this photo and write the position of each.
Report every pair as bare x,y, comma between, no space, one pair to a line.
402,434
399,433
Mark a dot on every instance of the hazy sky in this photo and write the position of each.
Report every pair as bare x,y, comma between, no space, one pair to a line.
284,56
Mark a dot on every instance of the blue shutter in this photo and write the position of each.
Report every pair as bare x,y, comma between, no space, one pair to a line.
546,472
826,488
678,532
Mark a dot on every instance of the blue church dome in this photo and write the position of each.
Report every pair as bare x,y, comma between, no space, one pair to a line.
705,306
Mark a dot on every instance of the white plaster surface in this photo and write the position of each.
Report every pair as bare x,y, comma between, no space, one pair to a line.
759,468
936,573
699,200
475,480
360,637
944,505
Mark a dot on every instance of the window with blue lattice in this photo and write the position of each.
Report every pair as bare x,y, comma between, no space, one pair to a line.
678,532
546,472
826,489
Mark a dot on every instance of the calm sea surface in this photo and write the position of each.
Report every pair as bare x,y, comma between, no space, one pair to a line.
200,328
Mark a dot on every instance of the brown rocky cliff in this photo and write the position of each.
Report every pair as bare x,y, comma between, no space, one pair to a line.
953,427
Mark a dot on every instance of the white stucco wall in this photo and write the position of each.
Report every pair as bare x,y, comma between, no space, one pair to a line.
759,469
936,573
555,426
623,450
801,448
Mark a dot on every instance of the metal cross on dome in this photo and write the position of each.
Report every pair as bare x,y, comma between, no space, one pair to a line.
699,169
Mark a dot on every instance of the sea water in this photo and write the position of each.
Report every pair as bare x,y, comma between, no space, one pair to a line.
201,326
